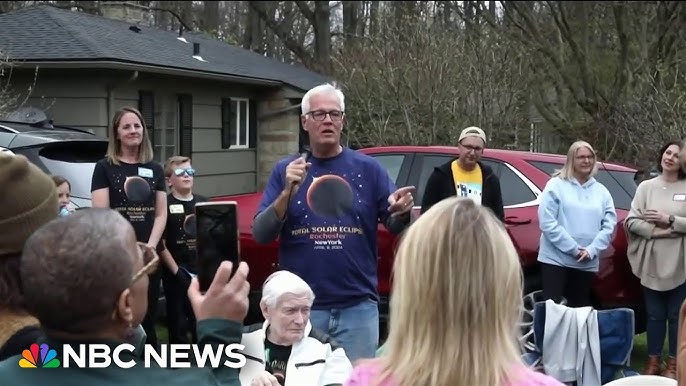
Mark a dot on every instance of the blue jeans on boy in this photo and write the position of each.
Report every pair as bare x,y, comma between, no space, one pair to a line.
663,308
355,328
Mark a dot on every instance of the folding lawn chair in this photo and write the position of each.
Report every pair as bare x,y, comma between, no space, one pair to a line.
615,332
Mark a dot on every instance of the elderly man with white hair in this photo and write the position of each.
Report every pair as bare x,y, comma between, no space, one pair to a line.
285,350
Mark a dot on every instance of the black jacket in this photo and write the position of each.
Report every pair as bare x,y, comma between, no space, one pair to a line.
20,341
441,186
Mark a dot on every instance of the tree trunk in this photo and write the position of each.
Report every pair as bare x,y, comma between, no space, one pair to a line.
351,13
210,17
373,18
270,43
186,13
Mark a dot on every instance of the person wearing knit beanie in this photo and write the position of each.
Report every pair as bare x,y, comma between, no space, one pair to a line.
28,196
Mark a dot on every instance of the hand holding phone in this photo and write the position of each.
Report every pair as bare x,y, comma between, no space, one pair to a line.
217,238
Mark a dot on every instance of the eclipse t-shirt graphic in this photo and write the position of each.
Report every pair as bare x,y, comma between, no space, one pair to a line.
180,232
329,238
330,196
132,189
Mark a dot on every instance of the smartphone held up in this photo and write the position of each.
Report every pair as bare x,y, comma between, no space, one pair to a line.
217,238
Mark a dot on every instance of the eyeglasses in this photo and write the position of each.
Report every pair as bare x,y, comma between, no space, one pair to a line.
470,148
151,261
321,115
189,172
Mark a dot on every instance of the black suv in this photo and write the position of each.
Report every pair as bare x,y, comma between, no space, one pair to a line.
69,152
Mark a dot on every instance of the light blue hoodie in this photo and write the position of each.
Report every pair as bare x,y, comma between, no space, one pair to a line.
573,216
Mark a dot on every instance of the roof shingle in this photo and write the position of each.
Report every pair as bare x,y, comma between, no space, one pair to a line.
45,33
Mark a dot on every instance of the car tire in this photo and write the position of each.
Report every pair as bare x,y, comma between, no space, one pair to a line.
531,294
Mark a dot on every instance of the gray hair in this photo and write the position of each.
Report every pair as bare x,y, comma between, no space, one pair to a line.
280,283
322,89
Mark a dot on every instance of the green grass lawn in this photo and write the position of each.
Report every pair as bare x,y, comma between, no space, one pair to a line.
162,336
639,355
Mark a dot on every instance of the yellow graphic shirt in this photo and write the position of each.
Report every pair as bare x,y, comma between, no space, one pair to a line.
467,183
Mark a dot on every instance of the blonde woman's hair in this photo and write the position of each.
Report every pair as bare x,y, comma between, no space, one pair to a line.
456,300
567,171
145,152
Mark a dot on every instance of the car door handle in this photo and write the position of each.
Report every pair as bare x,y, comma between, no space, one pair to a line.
513,220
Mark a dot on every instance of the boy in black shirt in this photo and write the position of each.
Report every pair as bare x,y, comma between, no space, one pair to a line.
179,248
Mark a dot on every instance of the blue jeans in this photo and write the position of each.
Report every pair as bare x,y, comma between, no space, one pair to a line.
355,328
663,308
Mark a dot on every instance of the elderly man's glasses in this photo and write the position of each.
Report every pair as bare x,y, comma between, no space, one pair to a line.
188,171
150,261
321,115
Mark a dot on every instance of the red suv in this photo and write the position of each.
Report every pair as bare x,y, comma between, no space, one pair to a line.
523,176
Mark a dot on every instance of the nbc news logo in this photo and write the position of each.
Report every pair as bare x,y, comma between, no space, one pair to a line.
39,356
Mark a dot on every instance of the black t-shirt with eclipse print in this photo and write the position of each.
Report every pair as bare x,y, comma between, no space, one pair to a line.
276,359
133,189
180,232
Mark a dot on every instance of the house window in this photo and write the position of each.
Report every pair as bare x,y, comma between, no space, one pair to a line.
236,123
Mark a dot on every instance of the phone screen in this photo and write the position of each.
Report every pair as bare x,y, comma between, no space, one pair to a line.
217,239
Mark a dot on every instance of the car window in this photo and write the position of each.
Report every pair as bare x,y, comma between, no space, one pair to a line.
429,162
495,165
392,163
514,190
74,161
622,185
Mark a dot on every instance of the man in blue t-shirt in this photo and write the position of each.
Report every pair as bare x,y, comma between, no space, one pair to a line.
325,210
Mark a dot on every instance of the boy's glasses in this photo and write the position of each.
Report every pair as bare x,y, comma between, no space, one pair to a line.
189,172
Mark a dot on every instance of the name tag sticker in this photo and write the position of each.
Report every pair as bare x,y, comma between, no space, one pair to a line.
145,172
679,197
176,208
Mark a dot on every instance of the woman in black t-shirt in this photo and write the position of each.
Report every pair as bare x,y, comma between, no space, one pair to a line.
130,182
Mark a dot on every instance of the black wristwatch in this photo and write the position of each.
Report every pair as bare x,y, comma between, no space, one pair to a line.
671,219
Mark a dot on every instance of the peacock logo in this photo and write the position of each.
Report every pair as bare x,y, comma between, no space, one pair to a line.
39,356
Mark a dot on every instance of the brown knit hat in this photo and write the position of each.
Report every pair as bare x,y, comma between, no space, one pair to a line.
28,200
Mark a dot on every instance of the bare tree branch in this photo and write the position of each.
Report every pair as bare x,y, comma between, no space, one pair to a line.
283,33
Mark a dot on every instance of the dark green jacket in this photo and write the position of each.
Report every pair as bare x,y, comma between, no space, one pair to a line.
209,332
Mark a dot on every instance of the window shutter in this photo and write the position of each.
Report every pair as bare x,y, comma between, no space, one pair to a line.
252,138
185,125
146,106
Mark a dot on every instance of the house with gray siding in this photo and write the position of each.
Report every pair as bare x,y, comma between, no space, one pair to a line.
233,111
